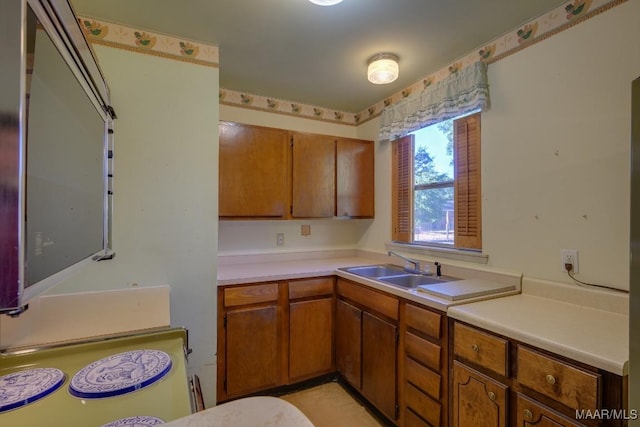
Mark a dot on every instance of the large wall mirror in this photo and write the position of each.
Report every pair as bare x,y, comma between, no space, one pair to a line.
55,202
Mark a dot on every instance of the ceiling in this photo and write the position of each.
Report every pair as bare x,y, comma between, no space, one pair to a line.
297,51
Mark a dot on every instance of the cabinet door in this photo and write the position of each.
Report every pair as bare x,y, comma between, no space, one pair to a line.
313,176
310,338
532,413
348,342
251,350
477,399
253,171
379,361
354,178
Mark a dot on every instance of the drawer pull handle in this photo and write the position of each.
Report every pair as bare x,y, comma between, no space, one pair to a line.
550,379
528,414
492,396
475,348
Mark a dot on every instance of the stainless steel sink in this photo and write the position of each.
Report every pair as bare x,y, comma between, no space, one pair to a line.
397,276
412,281
375,271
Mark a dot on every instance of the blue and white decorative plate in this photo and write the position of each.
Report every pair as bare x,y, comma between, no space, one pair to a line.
119,374
139,421
23,387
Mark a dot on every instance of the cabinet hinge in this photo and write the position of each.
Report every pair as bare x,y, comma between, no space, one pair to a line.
224,385
291,209
224,321
397,411
397,337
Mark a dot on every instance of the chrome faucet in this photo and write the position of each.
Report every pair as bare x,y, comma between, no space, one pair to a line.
415,262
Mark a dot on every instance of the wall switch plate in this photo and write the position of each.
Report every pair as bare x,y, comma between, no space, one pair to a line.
280,239
569,256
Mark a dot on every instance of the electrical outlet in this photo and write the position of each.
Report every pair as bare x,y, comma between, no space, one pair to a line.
569,256
280,239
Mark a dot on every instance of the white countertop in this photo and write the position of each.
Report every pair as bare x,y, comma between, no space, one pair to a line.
595,336
257,269
259,411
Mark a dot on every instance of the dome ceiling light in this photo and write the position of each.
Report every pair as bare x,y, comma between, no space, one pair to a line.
325,2
383,68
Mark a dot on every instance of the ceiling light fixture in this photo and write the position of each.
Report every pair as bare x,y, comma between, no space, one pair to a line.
383,68
325,2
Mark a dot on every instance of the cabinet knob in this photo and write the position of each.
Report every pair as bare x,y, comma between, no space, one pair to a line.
492,396
475,348
527,414
550,379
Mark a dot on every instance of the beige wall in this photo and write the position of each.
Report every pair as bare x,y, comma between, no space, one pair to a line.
555,148
165,193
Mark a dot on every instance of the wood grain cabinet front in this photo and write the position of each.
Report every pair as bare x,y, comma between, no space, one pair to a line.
481,348
274,334
559,380
478,400
423,367
367,344
531,413
544,389
354,178
253,172
270,173
313,176
310,328
249,336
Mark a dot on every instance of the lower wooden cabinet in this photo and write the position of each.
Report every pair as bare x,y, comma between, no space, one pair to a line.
274,334
349,342
252,350
367,344
411,363
249,353
310,338
542,389
478,400
379,361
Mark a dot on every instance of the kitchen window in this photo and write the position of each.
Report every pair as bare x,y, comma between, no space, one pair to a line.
436,185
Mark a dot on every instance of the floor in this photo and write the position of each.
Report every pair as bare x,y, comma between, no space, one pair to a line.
330,405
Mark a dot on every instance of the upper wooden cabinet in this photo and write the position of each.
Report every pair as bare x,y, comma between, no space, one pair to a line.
354,178
313,170
276,173
253,171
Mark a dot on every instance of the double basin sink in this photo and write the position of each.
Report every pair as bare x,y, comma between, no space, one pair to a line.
397,276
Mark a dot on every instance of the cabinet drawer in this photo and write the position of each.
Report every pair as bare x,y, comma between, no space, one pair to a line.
310,287
567,384
422,350
422,405
412,420
481,348
423,320
423,378
532,413
375,301
253,294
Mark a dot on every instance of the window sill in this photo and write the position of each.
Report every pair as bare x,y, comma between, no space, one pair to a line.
439,252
